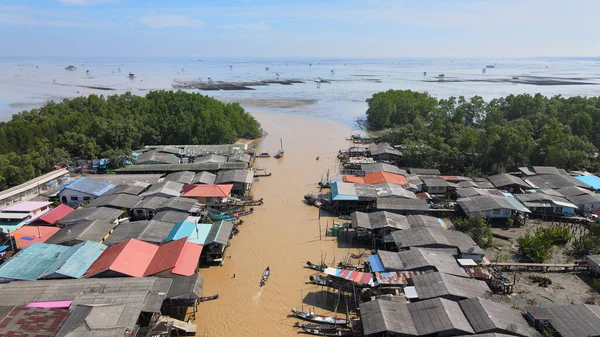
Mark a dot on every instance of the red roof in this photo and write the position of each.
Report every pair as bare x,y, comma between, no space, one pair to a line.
27,235
24,321
55,214
377,178
179,256
209,191
131,258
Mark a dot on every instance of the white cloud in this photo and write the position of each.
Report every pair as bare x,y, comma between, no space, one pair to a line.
170,20
254,26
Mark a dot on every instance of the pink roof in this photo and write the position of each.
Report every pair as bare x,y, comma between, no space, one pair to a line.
179,256
131,257
209,191
27,235
55,214
26,206
51,304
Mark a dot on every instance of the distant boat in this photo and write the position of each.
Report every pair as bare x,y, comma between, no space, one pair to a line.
311,317
515,78
265,276
484,70
70,68
490,66
280,152
131,75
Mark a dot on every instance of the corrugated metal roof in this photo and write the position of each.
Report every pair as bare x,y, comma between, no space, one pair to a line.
401,204
204,178
505,179
431,285
26,206
164,189
555,181
573,320
134,188
211,158
119,201
487,316
432,237
91,213
350,275
90,186
157,157
209,191
170,216
55,214
180,257
152,231
377,220
185,287
383,148
183,177
381,167
195,167
235,176
93,230
488,202
150,203
379,316
225,149
32,261
130,258
196,233
75,261
395,278
220,232
27,235
241,157
375,263
590,180
180,205
439,316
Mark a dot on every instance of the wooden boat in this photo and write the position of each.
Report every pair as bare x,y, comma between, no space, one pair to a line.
311,317
208,298
327,332
317,267
265,277
320,281
264,155
279,154
314,326
244,213
325,184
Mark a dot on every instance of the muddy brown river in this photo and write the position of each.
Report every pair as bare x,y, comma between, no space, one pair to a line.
282,234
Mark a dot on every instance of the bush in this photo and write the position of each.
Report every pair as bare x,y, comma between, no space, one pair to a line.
538,247
477,229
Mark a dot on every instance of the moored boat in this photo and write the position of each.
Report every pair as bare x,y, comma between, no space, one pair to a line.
312,317
265,276
327,332
208,298
317,267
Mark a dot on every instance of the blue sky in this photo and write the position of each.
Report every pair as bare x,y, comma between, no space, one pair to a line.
325,28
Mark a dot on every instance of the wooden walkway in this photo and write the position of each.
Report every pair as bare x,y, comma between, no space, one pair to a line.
542,266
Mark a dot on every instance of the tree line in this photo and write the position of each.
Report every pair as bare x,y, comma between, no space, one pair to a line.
459,135
109,127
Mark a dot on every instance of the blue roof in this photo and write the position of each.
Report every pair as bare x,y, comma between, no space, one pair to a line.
517,205
75,261
90,186
591,180
196,233
32,261
343,191
376,265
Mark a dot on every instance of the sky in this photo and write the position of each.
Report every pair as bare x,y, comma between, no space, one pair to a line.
307,28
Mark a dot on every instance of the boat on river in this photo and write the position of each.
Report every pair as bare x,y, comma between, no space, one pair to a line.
265,277
318,267
208,298
327,332
312,317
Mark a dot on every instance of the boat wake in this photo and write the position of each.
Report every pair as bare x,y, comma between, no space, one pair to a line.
258,295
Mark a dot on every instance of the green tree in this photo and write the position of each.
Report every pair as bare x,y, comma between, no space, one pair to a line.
477,229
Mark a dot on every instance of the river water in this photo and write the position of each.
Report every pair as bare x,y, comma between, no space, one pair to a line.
282,234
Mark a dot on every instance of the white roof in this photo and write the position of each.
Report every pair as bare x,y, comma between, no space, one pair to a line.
410,292
466,262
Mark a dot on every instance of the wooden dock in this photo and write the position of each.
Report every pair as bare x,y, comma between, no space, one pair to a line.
537,266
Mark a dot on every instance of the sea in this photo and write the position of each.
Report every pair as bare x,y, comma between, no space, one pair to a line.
346,83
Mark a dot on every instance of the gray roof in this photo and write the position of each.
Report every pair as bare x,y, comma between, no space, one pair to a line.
421,259
183,177
377,220
537,199
168,149
431,237
431,285
128,297
151,203
401,204
505,179
585,199
420,221
381,167
93,230
573,320
487,335
156,157
530,171
196,167
180,205
211,158
489,316
224,149
152,231
219,232
572,191
91,213
554,181
488,202
204,178
477,182
383,190
439,316
594,258
170,216
472,192
235,176
413,179
424,171
240,157
383,148
435,182
119,201
134,188
185,287
379,316
164,189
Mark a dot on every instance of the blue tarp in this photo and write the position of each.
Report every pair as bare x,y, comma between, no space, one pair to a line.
343,191
591,180
376,265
